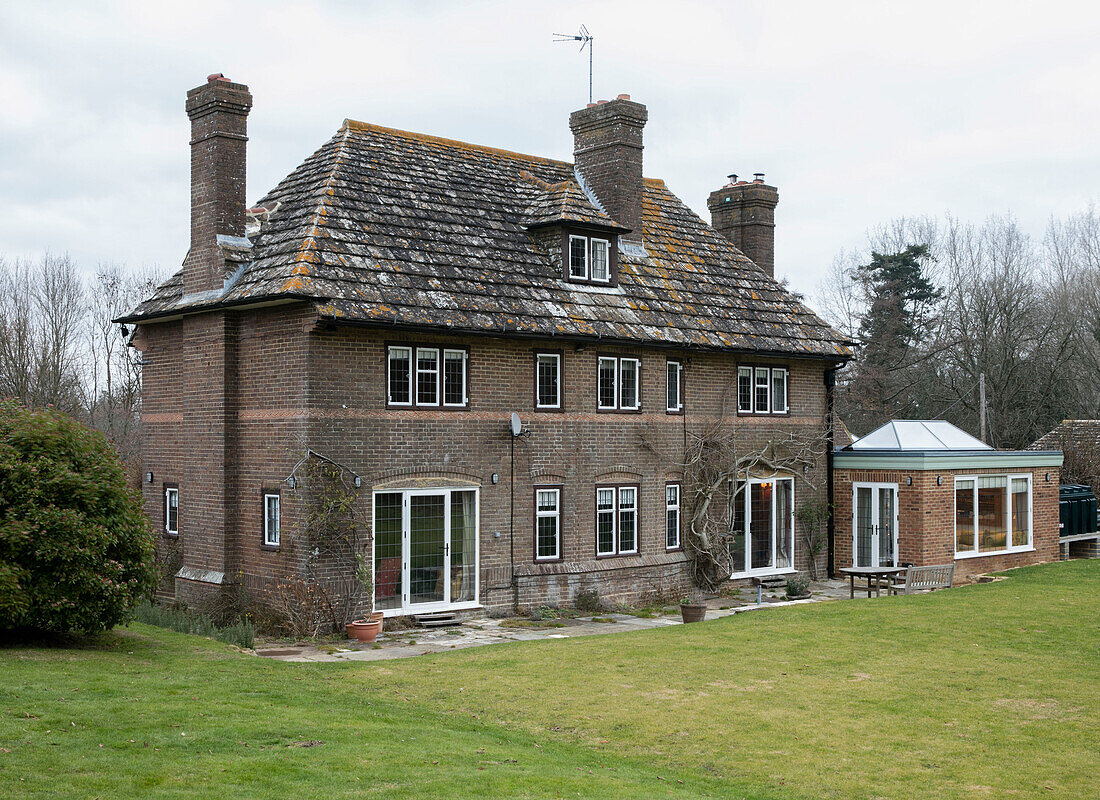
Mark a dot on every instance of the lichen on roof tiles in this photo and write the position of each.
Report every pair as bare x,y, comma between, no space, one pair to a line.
381,224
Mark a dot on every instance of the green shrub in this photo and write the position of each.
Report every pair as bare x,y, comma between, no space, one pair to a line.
182,620
587,600
797,585
76,551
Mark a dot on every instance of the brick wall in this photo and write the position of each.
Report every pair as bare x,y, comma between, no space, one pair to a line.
926,518
295,386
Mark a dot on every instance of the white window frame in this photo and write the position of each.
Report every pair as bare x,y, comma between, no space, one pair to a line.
743,372
767,385
746,496
555,514
1009,477
616,511
411,351
463,355
637,362
672,366
606,260
673,507
615,383
269,540
169,492
538,379
786,390
438,370
569,258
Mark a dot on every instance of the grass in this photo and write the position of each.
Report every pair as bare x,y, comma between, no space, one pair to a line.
181,620
983,691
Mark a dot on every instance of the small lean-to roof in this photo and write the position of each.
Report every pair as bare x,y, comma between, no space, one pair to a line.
918,435
396,229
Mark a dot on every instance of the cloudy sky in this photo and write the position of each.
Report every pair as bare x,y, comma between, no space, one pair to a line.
858,111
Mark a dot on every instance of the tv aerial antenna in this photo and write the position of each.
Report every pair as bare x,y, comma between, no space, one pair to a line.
586,39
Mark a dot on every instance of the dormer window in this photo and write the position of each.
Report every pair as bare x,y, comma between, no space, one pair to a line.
590,257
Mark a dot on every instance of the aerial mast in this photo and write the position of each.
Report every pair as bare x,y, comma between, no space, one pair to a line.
586,39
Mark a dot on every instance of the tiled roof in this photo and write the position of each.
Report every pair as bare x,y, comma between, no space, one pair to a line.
388,227
1072,433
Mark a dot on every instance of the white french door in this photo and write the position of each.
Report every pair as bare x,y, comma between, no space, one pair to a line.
875,525
425,550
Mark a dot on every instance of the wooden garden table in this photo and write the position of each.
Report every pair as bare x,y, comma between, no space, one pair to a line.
870,573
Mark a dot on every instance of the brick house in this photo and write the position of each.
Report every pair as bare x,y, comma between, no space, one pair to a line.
398,297
924,492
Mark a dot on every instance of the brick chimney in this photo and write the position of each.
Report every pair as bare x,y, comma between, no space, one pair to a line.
607,150
218,111
744,212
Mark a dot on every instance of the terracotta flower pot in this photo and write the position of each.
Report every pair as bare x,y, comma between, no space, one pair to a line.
366,630
693,612
350,628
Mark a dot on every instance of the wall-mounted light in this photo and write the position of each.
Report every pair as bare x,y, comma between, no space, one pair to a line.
939,480
148,477
1048,477
908,480
290,482
805,469
358,481
495,478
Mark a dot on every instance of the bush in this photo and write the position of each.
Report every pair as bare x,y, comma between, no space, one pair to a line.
76,551
587,600
797,585
181,620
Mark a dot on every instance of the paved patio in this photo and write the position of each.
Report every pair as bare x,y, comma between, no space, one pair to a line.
475,633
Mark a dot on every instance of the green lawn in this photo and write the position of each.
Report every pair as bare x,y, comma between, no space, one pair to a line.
984,691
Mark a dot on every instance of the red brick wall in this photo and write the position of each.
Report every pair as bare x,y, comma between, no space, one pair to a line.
926,518
296,387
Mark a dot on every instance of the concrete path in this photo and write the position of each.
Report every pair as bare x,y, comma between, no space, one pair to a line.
479,632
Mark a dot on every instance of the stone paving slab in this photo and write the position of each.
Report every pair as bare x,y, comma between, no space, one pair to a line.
480,632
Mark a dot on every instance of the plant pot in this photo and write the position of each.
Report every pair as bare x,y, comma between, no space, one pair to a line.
693,612
366,630
350,628
375,616
805,596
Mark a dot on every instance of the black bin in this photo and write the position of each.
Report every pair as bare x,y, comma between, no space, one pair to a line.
1076,510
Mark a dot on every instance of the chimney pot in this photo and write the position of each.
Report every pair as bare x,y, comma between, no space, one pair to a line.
758,177
602,102
623,97
216,76
590,105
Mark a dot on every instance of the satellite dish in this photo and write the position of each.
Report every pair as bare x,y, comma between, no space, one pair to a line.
517,426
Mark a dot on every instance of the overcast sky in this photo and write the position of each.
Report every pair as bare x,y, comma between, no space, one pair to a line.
857,111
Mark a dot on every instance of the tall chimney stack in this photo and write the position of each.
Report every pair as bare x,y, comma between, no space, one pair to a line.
218,111
607,151
744,212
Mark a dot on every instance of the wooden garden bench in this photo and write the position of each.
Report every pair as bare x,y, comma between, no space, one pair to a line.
938,576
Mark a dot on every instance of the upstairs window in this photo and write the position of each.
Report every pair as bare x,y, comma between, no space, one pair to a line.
272,511
171,510
426,376
762,390
590,258
578,257
674,403
548,380
619,384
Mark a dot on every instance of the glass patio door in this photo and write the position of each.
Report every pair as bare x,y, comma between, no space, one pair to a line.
425,549
875,525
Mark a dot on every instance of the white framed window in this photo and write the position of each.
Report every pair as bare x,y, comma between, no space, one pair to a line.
427,376
547,523
993,514
674,399
578,257
272,511
616,520
608,383
763,391
400,376
630,370
762,522
672,516
744,390
601,269
779,391
454,378
548,380
171,510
